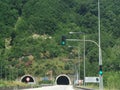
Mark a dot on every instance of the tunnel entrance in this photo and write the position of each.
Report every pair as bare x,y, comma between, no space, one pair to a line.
63,80
28,79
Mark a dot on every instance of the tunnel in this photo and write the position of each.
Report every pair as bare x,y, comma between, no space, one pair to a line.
28,79
63,80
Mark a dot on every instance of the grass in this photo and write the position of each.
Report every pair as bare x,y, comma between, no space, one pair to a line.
11,84
96,87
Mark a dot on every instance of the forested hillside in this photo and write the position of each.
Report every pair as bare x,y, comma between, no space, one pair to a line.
31,30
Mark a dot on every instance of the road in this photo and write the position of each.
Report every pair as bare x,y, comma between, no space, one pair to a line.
55,87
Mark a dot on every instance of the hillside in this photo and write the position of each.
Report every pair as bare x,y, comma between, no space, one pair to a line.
31,30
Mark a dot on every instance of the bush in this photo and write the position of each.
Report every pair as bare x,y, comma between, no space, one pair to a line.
46,82
11,84
111,80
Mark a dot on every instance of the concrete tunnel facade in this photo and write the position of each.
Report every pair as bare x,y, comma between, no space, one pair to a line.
63,79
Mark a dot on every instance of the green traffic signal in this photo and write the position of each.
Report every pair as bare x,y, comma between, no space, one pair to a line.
63,40
100,70
63,43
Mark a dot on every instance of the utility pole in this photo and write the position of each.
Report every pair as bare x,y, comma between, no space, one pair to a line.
84,61
79,61
100,52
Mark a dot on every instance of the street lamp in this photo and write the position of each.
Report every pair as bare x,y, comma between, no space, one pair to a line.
79,52
100,52
99,46
84,53
84,61
77,70
1,69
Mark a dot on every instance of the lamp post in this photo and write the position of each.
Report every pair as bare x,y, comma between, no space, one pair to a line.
77,70
101,83
100,52
84,61
99,46
79,52
1,69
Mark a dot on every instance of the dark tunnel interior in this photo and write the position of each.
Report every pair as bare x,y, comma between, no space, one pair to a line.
27,79
62,80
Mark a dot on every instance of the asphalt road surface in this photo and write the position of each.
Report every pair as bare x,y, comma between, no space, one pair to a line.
56,87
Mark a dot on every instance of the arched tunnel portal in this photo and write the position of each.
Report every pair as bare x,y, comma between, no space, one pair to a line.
63,80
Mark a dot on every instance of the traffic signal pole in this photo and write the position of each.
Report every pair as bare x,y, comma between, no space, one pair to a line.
99,46
100,59
100,52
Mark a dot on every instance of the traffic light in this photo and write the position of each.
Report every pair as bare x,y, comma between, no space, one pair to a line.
100,70
63,40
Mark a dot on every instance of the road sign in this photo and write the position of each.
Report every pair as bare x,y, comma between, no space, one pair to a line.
92,79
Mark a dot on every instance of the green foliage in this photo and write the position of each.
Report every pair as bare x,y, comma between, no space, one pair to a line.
9,84
46,82
112,80
20,25
31,30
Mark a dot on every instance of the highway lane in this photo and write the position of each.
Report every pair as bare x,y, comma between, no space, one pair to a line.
55,87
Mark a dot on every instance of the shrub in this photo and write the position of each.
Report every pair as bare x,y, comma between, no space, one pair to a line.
111,80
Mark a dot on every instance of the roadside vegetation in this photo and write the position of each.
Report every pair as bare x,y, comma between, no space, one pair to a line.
4,83
30,36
